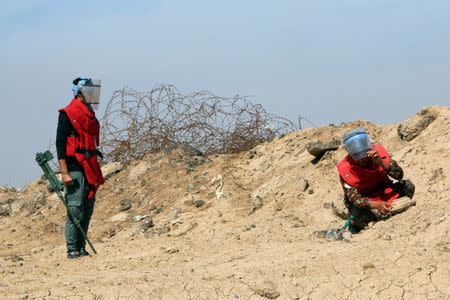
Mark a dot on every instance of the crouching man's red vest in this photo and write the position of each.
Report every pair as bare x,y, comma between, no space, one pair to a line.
372,183
83,146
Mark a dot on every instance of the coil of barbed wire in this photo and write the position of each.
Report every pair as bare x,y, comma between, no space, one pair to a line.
138,123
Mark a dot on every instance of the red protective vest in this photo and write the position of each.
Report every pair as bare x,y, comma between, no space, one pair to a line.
372,183
84,144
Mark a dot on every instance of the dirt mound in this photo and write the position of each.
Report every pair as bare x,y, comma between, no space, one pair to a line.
179,226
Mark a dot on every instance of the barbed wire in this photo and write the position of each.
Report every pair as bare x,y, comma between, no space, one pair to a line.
138,123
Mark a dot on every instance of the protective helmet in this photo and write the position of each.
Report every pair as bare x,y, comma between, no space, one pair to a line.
89,88
357,143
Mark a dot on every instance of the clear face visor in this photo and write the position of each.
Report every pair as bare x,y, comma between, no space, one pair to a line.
91,92
357,143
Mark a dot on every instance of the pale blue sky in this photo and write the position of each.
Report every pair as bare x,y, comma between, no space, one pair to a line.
329,61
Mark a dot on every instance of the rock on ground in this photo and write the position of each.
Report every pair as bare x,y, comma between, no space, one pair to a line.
413,127
317,148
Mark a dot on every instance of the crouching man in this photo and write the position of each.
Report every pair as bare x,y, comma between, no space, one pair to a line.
365,177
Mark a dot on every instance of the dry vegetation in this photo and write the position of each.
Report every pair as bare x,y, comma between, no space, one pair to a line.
138,123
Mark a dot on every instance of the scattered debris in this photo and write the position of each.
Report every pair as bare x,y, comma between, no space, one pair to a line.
217,185
173,215
138,218
335,234
256,204
186,230
146,225
157,231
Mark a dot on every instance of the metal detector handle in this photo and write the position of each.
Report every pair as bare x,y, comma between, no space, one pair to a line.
42,159
347,223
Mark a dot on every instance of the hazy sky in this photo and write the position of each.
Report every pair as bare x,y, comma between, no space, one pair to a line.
329,61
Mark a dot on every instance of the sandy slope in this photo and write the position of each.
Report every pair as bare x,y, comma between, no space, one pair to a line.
229,254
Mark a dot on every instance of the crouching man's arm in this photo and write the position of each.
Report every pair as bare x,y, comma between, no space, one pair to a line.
393,169
359,201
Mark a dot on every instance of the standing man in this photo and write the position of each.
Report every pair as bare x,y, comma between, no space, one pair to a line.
77,139
365,177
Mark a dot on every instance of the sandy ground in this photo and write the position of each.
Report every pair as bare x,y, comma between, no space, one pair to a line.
241,246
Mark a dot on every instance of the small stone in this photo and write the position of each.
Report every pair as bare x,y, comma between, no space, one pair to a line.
300,152
37,250
199,203
268,293
139,170
110,169
5,211
368,266
438,173
171,250
311,191
146,224
162,230
304,184
150,234
16,258
120,217
190,187
250,155
177,222
386,237
257,204
346,235
154,207
125,205
111,233
264,166
143,182
317,148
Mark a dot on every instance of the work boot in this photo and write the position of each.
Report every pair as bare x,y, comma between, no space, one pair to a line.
83,252
405,188
73,254
353,228
409,188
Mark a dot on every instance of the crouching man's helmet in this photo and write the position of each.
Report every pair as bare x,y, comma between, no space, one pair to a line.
357,143
89,88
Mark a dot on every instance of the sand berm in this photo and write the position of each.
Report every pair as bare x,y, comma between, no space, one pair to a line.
179,226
